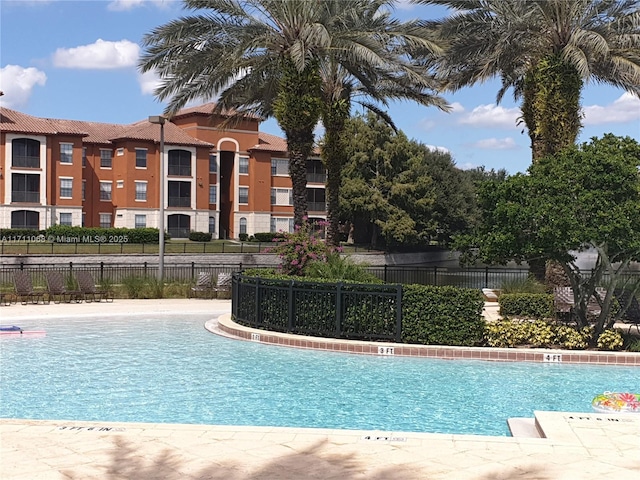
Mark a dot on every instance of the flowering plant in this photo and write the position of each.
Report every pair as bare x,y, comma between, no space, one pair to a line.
303,246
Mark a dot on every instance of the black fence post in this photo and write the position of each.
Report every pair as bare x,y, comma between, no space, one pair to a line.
193,270
101,272
21,266
290,307
339,310
398,313
435,275
486,277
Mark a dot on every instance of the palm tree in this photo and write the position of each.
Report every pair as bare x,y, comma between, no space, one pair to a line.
255,57
296,60
366,62
545,50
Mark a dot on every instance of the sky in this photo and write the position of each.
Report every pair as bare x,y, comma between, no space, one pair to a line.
78,60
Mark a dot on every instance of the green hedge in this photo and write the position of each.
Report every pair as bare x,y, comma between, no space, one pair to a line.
528,305
433,315
26,234
266,236
104,235
200,236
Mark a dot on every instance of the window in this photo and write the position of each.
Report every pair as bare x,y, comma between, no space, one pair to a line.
279,166
105,220
243,195
281,224
25,153
66,153
105,158
119,183
281,196
65,219
120,152
243,165
84,189
243,225
105,191
180,163
141,191
84,218
84,156
25,187
25,219
213,194
213,163
141,158
179,194
316,173
66,188
140,221
212,225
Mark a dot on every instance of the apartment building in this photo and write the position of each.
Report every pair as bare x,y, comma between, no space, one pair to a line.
226,181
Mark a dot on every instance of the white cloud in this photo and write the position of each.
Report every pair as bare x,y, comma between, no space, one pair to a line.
506,143
17,83
435,148
124,5
492,116
467,166
456,107
100,55
148,81
624,109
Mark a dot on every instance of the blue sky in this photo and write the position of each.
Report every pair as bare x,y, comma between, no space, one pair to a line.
78,60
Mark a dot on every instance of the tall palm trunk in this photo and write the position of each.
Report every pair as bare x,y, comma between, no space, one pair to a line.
333,156
551,106
297,110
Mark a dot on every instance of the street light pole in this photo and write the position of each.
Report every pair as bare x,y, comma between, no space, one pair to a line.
160,120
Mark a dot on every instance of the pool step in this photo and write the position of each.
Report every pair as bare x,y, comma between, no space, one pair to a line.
523,428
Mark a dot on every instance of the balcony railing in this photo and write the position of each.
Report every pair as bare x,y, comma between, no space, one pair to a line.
26,197
180,170
25,161
316,206
180,201
317,177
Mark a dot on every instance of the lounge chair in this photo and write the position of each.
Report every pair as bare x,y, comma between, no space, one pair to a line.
205,288
88,289
25,293
564,305
57,289
632,315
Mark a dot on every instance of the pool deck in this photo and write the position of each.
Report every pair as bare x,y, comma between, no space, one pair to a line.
577,446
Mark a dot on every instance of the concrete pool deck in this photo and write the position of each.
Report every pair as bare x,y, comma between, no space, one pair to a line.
577,446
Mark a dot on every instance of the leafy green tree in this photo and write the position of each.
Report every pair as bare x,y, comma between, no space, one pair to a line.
584,197
399,192
545,50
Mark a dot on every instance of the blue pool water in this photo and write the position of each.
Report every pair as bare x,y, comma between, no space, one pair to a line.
167,369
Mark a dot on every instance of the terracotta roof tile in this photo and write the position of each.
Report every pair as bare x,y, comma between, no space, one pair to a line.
270,143
18,122
205,110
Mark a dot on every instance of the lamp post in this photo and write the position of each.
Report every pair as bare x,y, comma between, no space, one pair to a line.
160,120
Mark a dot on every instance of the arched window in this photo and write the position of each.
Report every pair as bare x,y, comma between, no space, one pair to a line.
25,219
25,153
179,163
243,225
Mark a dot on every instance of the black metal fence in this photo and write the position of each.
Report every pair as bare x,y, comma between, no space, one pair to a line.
338,310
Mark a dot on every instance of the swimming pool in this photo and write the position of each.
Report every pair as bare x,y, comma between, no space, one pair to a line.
165,369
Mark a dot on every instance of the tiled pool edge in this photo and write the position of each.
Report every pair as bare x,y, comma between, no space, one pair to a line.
226,326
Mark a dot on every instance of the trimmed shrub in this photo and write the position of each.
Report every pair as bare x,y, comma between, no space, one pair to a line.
200,236
266,236
20,233
243,237
610,340
105,235
434,315
528,305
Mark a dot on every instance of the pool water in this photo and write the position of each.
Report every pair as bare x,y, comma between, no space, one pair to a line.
165,369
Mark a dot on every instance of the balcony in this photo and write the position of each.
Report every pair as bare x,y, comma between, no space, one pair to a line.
25,197
180,202
317,206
